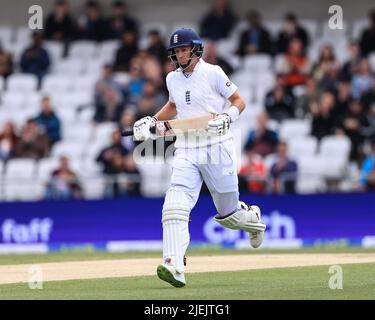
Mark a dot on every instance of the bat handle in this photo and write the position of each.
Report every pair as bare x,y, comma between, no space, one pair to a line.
127,133
130,132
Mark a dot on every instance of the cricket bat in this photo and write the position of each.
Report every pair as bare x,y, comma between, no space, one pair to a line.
177,126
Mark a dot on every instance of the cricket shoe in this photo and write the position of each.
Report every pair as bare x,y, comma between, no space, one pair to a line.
256,236
169,274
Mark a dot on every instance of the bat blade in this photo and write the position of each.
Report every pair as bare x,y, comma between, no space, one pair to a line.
178,126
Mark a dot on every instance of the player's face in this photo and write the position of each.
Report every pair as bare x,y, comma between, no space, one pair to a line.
183,54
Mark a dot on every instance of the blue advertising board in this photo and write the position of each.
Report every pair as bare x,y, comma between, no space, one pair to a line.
294,220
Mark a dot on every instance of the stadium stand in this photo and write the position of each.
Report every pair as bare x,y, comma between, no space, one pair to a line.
72,85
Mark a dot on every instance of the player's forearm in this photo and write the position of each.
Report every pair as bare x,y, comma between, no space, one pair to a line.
237,101
167,112
238,105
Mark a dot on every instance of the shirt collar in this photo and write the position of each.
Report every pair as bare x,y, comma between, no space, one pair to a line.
197,66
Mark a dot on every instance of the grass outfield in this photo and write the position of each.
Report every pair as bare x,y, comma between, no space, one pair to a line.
278,283
88,255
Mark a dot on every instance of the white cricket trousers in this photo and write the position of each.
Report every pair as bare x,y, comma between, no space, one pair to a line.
216,166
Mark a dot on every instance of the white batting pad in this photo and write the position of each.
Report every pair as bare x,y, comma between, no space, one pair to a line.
242,219
175,220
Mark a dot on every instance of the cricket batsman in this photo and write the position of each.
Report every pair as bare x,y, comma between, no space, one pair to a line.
197,88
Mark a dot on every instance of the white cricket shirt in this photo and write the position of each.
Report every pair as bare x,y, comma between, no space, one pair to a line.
206,90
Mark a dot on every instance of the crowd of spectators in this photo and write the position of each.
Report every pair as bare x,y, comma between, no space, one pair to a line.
35,139
339,98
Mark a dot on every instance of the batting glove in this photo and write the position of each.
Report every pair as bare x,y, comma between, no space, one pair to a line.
142,128
219,125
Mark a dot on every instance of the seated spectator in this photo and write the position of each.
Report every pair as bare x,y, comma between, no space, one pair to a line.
367,41
33,143
329,82
256,39
8,141
148,103
119,21
110,107
351,66
362,81
218,22
279,102
353,124
150,67
327,61
6,63
283,172
262,140
371,119
323,122
63,183
112,159
343,100
295,65
49,122
92,25
106,81
254,171
167,67
127,120
146,107
367,176
368,98
150,91
132,187
35,59
136,83
107,155
60,25
303,101
156,46
291,29
126,52
210,56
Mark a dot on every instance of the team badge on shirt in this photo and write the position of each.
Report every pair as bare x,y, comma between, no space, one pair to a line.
187,97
